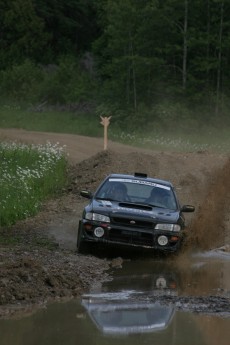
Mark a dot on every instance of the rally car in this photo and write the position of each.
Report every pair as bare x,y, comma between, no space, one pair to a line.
135,211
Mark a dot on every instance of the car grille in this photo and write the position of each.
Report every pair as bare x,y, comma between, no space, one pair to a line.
135,223
131,237
130,230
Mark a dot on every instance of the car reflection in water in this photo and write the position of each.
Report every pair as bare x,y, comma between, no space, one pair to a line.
127,317
128,304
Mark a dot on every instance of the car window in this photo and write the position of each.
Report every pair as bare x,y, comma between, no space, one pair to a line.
137,191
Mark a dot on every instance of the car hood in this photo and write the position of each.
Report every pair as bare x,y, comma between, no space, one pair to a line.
113,208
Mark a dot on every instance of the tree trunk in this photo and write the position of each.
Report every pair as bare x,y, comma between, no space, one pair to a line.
133,76
185,49
208,43
219,60
128,79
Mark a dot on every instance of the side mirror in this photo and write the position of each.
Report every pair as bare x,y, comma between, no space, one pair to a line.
86,194
187,208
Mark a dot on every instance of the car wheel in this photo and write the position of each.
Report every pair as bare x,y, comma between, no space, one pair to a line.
82,246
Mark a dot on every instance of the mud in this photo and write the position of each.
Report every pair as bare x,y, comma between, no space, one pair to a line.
41,263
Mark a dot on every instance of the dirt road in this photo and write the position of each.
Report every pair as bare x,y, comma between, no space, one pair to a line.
31,274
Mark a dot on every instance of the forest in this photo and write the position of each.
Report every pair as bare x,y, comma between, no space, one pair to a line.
139,60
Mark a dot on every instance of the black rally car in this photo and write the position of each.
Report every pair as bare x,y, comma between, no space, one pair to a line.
133,210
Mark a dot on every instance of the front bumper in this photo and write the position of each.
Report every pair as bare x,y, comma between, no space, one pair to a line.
130,236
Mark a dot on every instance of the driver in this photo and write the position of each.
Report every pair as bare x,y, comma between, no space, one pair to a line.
159,196
118,192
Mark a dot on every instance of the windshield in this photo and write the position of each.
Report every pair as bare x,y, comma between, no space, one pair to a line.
137,191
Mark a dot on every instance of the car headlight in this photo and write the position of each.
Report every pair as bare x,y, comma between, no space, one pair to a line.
98,217
168,227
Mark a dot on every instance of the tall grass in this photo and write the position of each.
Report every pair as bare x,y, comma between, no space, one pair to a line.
28,175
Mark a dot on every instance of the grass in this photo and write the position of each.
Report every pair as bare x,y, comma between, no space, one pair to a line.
50,121
28,175
211,140
183,135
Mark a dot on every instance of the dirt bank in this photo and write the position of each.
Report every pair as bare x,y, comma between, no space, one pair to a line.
42,264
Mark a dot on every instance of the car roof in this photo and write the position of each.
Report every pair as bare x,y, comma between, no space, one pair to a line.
142,177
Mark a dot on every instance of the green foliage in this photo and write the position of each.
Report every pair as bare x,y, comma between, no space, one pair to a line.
43,30
20,82
71,26
22,32
28,176
67,82
141,52
63,83
129,55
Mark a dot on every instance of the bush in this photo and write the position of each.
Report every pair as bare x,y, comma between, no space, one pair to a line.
20,83
64,83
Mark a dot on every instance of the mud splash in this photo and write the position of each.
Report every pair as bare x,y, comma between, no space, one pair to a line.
209,229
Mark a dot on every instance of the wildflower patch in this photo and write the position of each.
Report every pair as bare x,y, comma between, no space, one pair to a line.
28,175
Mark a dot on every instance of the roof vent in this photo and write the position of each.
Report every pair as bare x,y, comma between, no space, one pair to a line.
136,174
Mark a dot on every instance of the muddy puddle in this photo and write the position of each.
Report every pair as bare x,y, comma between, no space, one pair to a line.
70,323
148,301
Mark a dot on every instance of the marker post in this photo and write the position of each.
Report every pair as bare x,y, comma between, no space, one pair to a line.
105,122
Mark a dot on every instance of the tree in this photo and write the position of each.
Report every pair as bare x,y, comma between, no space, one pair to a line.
43,30
71,25
22,32
126,61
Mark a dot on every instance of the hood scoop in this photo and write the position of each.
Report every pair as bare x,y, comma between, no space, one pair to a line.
135,206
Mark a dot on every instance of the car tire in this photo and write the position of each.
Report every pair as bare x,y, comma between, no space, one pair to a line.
82,246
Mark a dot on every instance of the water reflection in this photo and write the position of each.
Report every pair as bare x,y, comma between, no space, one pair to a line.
158,277
123,310
184,276
123,305
125,317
